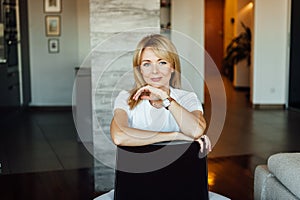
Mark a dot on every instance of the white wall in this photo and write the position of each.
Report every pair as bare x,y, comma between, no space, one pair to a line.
187,17
52,75
270,67
83,18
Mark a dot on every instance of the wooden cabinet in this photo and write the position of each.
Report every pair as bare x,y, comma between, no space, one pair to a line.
9,65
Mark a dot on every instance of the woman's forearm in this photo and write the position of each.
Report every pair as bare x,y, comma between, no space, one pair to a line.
191,124
126,136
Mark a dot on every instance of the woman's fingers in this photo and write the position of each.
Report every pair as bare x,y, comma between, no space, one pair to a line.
139,92
147,92
207,142
204,140
145,97
201,145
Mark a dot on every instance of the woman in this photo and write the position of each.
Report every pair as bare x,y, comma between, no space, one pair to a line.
156,110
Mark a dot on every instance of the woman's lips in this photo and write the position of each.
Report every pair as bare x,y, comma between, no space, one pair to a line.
155,79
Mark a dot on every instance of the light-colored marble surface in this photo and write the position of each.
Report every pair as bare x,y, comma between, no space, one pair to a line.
113,16
116,28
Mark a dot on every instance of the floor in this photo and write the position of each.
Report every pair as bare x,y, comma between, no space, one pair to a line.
41,157
38,141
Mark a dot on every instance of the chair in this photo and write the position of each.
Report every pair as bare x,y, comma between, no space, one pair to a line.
168,171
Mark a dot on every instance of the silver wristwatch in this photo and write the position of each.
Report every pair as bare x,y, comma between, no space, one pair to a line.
167,102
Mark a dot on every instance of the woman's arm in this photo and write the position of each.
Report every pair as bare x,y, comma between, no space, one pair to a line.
123,135
192,124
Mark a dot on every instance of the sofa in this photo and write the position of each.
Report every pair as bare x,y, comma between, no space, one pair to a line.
279,178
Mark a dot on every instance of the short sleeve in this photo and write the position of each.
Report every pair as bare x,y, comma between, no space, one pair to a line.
191,102
122,101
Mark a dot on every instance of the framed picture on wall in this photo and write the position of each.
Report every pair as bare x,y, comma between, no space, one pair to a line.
52,6
53,45
52,25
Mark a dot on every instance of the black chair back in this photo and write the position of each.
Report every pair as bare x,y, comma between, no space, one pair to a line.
161,172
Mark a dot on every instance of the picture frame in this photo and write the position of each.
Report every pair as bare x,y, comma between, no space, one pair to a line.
53,45
52,25
52,6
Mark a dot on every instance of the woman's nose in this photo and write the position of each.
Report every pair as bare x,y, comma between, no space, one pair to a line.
154,68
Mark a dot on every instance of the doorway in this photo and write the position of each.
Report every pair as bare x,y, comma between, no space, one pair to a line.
213,40
214,25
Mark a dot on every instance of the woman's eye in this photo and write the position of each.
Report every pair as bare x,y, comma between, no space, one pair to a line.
162,63
146,64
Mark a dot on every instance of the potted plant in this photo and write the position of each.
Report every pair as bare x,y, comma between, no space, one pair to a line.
237,50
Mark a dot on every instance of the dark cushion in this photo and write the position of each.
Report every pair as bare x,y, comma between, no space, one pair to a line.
154,172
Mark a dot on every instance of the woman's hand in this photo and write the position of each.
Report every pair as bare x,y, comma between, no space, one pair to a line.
150,93
204,140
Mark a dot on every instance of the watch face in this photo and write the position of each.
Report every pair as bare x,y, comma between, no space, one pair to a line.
166,102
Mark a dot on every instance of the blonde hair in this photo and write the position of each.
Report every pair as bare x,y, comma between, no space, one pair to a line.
164,49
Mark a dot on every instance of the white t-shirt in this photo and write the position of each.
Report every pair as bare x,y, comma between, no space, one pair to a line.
146,117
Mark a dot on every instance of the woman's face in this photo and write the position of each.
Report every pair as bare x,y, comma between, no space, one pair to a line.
155,71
